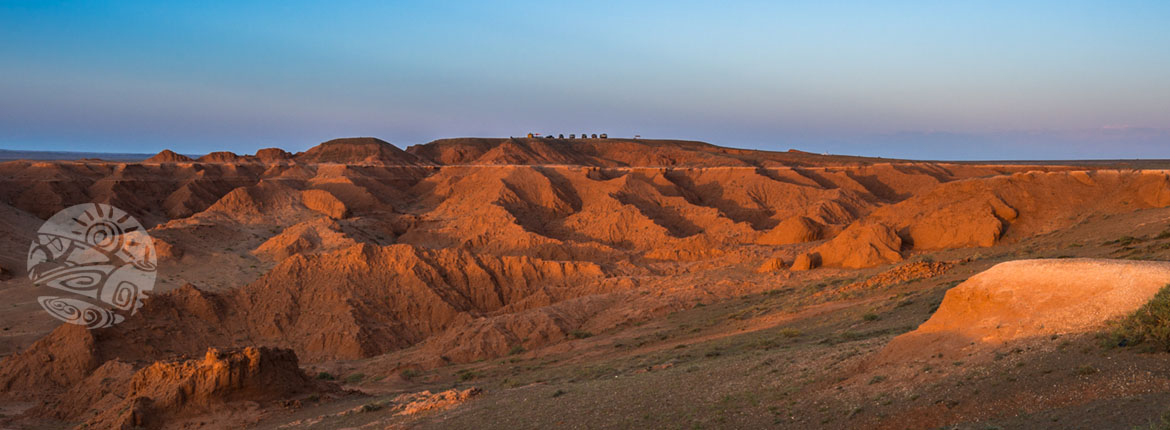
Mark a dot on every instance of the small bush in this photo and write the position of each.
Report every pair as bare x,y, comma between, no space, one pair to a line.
325,376
1162,423
518,349
790,333
871,317
371,407
877,379
1147,328
934,304
1086,370
742,315
580,334
559,393
1123,241
467,376
355,378
409,374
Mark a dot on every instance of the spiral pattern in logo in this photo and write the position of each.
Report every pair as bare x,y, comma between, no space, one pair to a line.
98,254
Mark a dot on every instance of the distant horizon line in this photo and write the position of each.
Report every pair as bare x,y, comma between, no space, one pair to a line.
7,155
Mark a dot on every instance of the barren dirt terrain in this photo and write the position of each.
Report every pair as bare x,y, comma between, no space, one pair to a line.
598,283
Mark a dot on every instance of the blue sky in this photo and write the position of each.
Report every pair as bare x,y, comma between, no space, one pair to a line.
941,80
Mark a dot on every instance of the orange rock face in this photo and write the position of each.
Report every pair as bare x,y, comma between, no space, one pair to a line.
357,150
166,250
1028,299
773,264
425,401
168,156
325,203
612,152
272,155
250,373
317,235
221,157
51,365
863,244
982,212
805,262
164,391
798,229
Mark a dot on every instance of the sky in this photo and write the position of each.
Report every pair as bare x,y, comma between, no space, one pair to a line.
913,79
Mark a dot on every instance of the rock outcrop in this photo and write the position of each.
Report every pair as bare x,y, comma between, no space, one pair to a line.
772,264
166,391
272,155
165,250
797,229
307,237
805,262
168,156
1031,299
51,365
358,150
612,152
981,212
426,401
863,244
221,157
324,202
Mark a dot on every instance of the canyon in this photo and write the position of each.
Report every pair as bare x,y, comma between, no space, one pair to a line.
357,283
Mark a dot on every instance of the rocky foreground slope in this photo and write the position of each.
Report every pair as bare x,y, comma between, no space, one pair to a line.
468,249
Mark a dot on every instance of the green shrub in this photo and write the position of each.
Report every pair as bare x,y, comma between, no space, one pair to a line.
326,376
1123,241
355,378
580,334
1147,328
467,375
1163,422
790,333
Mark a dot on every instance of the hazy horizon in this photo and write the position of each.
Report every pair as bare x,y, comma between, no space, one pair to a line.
1040,81
137,156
